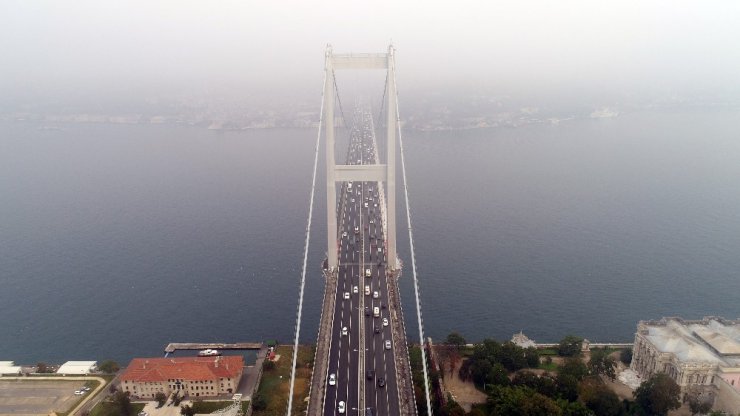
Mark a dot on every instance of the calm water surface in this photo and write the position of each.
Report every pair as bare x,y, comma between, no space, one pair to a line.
115,240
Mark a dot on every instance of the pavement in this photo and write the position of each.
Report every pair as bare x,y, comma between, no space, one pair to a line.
42,395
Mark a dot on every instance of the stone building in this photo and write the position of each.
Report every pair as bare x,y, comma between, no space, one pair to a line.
190,376
701,355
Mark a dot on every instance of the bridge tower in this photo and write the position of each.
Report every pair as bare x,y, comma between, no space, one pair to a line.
370,173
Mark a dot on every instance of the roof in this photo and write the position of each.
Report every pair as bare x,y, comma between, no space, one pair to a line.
185,368
9,367
709,341
77,367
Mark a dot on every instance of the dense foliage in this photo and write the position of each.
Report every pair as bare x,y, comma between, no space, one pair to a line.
490,359
570,346
657,395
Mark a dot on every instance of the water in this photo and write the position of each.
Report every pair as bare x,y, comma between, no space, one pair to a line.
115,240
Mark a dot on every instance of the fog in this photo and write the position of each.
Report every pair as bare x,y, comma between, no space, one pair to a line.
79,50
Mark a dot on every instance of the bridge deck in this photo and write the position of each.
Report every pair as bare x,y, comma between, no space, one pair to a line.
174,346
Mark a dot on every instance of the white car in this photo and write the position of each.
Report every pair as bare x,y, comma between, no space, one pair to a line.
385,321
354,290
79,392
332,379
344,234
372,221
340,408
367,290
344,331
376,294
365,204
387,344
346,295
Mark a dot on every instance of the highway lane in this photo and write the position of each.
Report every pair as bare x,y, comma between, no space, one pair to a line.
361,245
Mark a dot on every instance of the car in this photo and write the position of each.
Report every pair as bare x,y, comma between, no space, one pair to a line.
367,311
387,344
381,382
385,321
372,221
376,312
368,273
370,374
79,392
86,388
354,289
353,200
346,295
340,407
366,205
375,205
376,294
344,234
344,331
376,329
332,379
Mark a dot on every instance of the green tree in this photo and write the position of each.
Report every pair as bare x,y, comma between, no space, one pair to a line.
186,410
573,367
521,401
259,402
160,398
657,395
570,346
573,408
109,367
532,357
122,403
455,340
602,363
626,356
601,400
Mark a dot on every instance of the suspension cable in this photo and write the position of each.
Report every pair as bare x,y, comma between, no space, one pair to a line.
336,88
305,254
413,256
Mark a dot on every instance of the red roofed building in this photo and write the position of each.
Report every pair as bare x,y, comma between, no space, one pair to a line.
193,376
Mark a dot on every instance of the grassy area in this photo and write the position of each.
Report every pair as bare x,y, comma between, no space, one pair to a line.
107,409
548,366
275,385
548,351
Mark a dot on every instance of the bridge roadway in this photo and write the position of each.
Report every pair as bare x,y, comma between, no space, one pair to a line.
361,248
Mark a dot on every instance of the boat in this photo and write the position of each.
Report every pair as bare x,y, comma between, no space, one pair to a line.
209,353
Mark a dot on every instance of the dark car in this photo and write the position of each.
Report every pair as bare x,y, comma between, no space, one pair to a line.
377,329
381,382
367,311
370,374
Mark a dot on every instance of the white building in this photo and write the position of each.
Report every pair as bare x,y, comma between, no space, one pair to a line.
701,355
9,368
78,367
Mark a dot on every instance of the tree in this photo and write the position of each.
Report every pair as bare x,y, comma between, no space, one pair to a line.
186,410
573,408
259,402
455,340
657,395
109,367
602,363
626,356
699,407
122,403
573,367
521,401
601,400
160,398
570,346
41,368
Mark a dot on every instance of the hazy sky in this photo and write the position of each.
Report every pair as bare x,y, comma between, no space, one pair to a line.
143,46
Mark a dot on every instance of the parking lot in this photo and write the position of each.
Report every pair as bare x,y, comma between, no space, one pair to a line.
37,397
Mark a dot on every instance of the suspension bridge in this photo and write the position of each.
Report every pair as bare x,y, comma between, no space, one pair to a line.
362,362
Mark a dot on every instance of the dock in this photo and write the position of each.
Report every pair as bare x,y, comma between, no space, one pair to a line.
174,346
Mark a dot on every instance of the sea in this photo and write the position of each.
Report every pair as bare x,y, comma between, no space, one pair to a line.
116,240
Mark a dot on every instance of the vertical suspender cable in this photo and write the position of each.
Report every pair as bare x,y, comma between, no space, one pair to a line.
305,254
413,257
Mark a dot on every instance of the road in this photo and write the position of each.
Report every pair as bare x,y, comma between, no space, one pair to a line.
358,358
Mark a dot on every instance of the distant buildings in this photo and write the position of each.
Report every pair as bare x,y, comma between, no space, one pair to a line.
700,356
193,376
